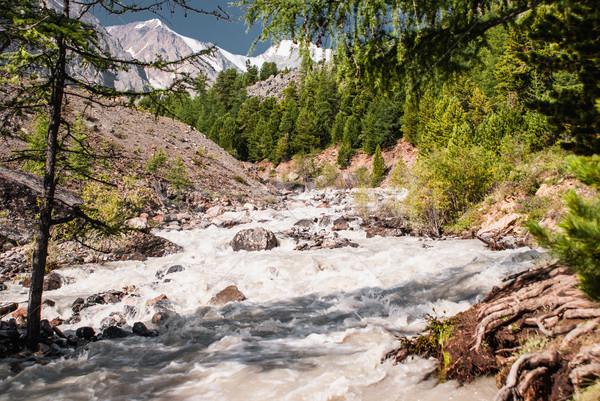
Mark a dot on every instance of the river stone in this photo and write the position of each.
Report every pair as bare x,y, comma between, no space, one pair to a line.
140,329
340,224
5,309
85,332
229,294
254,239
52,281
114,332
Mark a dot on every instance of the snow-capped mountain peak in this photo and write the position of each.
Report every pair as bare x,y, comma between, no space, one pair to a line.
145,39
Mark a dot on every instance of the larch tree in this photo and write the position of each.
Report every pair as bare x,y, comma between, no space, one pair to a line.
39,41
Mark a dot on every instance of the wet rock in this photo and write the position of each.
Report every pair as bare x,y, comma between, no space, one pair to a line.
114,332
49,302
387,227
114,319
85,332
140,329
173,269
130,310
254,239
78,305
162,318
228,221
305,223
154,301
229,294
5,309
340,224
20,315
325,221
149,246
53,281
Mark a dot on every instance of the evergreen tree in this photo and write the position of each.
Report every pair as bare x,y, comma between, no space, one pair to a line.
378,172
307,133
267,70
251,75
572,30
578,242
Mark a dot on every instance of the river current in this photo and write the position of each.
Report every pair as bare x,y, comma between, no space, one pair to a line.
315,324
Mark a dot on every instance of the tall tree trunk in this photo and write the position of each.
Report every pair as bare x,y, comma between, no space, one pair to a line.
40,253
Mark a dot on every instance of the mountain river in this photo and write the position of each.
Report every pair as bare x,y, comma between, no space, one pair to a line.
315,324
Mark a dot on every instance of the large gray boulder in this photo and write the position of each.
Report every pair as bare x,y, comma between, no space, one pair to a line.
254,239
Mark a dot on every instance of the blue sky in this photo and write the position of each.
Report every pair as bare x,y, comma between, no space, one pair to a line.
230,36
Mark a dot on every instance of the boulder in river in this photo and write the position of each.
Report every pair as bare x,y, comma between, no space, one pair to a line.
254,239
229,294
114,332
85,332
52,281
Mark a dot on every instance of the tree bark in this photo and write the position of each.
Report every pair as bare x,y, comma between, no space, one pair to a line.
40,253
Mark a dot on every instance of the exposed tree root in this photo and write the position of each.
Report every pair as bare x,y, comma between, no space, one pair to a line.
537,364
585,365
529,312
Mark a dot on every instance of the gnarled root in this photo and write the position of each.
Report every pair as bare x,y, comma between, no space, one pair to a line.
585,365
554,294
535,364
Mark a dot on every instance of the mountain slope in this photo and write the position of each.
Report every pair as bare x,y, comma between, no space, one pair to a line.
145,40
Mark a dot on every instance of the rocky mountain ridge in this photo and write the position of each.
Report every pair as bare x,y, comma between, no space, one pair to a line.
145,40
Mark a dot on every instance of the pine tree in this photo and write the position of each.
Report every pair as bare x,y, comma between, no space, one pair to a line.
568,35
378,172
267,70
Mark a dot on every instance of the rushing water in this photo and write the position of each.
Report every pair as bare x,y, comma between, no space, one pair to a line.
314,326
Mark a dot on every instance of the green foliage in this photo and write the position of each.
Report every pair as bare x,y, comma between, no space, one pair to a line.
112,205
157,162
267,70
378,172
178,176
447,182
577,243
328,175
431,342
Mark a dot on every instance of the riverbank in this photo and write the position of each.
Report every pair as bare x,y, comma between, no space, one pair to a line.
537,333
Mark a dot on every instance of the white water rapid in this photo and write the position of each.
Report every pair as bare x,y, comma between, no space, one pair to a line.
315,324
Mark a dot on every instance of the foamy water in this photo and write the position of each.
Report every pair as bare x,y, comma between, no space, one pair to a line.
314,326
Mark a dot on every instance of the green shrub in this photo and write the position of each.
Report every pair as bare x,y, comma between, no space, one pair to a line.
157,162
178,176
447,182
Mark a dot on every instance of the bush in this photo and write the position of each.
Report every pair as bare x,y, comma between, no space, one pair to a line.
178,176
446,182
157,162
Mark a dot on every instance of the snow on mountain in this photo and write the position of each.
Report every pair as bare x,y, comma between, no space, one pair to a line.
146,39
